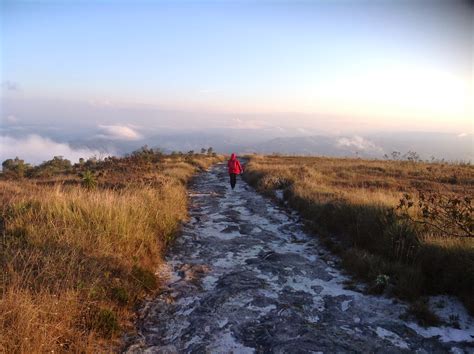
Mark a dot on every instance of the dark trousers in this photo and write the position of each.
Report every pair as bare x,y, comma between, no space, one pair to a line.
233,179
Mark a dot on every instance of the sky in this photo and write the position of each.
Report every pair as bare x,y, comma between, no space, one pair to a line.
123,69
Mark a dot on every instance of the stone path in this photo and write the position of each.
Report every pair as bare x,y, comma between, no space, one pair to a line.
244,277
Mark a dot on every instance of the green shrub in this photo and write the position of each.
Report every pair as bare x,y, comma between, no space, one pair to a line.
89,180
145,278
120,295
106,322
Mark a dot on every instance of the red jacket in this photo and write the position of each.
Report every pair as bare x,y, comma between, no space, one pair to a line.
234,165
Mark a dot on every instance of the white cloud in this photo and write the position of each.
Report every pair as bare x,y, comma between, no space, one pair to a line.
36,149
118,132
359,143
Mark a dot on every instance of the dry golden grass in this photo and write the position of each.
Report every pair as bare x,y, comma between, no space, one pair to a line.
352,202
74,261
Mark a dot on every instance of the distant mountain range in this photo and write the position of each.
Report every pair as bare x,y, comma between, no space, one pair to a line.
427,145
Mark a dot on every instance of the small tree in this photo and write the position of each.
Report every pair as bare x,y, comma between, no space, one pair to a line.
57,165
15,167
447,215
91,162
396,155
203,151
412,156
210,150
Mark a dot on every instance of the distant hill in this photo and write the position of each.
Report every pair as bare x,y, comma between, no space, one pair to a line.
427,145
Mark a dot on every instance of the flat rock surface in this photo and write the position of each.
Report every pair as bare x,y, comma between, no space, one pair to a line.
244,277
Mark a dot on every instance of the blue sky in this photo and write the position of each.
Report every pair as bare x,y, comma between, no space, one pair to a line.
378,65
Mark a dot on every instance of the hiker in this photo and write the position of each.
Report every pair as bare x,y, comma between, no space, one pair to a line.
235,168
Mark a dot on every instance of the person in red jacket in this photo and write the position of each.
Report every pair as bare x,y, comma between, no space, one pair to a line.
235,168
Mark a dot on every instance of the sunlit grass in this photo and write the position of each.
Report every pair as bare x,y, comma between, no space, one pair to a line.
352,203
74,260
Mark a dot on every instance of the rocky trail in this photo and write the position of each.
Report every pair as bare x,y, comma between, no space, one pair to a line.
244,277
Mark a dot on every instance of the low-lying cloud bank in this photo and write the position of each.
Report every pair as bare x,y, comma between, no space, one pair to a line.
35,149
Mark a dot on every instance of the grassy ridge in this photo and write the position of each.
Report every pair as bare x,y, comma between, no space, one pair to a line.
74,260
354,200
